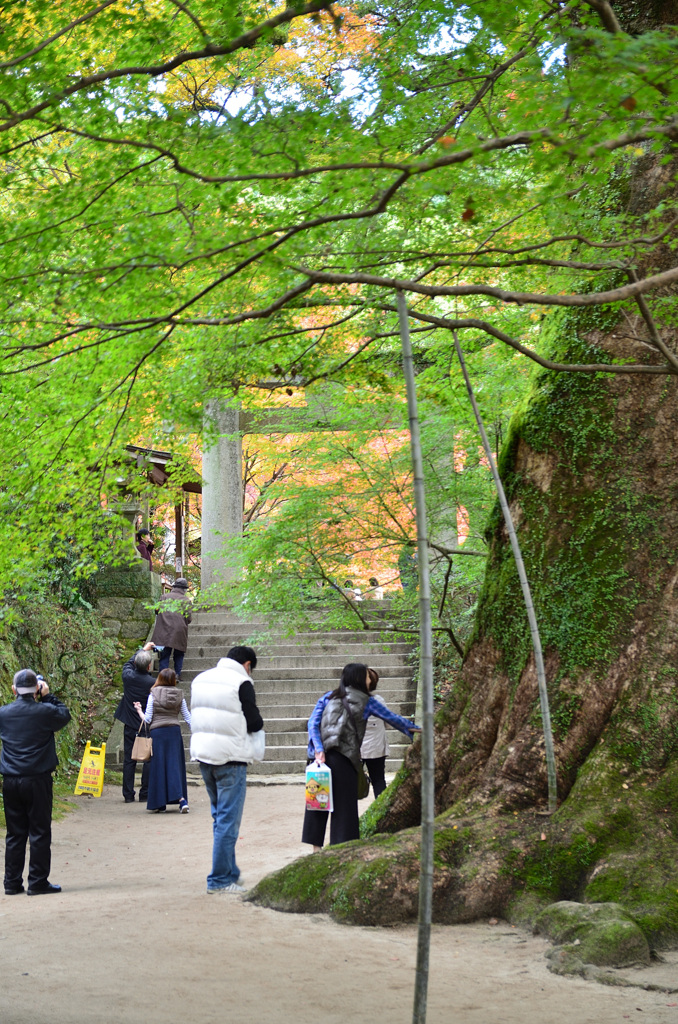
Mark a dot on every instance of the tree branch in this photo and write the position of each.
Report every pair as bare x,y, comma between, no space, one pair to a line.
242,42
606,15
628,291
652,327
189,14
548,364
62,31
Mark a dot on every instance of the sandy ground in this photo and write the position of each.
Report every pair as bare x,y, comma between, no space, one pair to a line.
134,938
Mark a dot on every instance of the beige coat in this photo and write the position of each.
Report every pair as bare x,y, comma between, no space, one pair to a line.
375,743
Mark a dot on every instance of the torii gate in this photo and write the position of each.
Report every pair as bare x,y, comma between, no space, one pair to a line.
222,469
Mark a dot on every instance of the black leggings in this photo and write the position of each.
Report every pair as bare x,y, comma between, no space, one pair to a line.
344,823
376,767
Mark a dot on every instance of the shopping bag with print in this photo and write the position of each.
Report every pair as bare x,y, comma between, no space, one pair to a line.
318,787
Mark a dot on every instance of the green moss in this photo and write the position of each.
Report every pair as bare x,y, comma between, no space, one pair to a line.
301,884
371,818
613,840
602,933
578,537
339,881
79,662
556,871
450,845
643,730
664,798
360,888
564,708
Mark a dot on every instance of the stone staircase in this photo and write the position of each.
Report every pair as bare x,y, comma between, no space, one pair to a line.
292,672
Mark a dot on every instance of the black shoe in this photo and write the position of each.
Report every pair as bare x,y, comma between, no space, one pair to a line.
129,799
44,890
14,891
143,797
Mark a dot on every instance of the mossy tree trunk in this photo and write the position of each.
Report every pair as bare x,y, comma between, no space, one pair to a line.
591,475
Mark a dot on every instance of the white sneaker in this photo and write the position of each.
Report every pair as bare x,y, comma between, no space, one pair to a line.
232,887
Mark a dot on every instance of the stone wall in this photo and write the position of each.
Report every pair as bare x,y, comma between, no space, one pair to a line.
122,597
123,594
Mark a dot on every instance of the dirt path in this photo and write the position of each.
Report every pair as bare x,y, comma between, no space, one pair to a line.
135,939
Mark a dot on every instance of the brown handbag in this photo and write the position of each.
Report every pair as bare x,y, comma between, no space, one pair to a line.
143,745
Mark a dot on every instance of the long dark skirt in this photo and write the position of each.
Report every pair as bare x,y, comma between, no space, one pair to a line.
344,821
167,778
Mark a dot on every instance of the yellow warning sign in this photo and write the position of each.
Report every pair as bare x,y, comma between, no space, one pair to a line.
91,774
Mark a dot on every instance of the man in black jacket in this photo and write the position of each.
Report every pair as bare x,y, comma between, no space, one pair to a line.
136,684
28,758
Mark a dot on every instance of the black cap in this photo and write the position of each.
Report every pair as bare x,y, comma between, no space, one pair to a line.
25,681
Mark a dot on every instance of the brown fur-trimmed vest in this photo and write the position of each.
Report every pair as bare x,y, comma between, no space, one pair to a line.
166,706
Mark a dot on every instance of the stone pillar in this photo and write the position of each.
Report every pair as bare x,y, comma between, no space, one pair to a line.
221,492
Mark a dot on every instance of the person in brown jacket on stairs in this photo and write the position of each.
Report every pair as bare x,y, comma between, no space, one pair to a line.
171,626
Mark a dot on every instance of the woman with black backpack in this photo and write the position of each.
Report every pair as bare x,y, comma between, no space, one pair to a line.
336,731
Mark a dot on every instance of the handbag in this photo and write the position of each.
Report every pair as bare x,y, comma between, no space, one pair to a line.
142,749
363,783
363,777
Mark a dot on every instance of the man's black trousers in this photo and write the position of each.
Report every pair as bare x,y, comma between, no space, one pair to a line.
28,816
129,768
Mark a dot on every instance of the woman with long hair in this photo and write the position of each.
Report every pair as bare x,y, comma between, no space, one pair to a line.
167,777
336,730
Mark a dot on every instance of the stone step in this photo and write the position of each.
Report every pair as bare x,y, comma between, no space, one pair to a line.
351,643
304,679
275,720
257,624
279,739
272,706
336,659
292,767
279,760
305,668
303,705
254,624
317,636
293,671
297,726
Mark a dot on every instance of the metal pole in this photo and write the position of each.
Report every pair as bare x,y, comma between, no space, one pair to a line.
425,681
527,595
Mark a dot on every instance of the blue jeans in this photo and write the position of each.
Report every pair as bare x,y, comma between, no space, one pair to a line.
164,659
226,786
